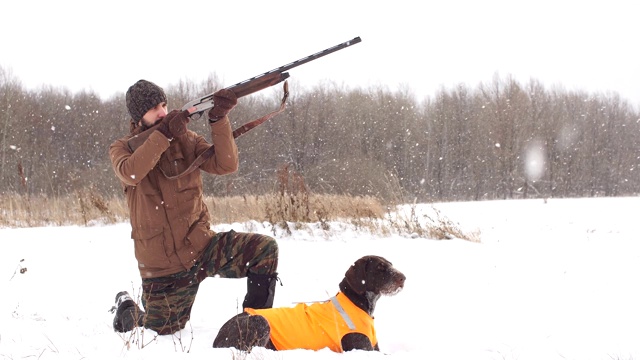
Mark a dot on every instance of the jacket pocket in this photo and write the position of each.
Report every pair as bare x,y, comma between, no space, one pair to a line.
199,236
174,162
150,250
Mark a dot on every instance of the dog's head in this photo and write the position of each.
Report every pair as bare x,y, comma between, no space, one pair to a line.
374,274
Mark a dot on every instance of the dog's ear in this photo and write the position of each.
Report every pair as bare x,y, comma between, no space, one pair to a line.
356,276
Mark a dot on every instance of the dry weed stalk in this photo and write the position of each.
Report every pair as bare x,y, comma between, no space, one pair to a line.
89,201
291,203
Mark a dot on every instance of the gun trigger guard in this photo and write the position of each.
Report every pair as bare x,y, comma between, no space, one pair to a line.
196,115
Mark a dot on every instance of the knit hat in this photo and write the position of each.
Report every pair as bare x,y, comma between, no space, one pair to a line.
143,96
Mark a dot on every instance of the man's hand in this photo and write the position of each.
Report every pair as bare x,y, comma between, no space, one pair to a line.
223,102
174,124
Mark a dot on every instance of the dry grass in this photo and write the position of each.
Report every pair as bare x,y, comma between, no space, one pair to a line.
280,210
430,224
87,208
291,204
82,208
274,208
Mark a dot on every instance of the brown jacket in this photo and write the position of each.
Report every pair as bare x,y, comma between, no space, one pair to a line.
169,220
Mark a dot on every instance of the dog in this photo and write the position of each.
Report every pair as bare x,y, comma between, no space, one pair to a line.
343,323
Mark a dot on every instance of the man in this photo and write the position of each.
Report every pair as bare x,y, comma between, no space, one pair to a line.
174,245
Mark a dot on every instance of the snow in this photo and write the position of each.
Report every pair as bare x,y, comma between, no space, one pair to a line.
551,279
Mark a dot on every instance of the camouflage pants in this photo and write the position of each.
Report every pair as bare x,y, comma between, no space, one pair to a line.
168,300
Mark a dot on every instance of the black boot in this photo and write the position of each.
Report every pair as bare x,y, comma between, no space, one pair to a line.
261,289
128,314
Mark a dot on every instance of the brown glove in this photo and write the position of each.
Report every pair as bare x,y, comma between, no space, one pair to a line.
223,102
174,124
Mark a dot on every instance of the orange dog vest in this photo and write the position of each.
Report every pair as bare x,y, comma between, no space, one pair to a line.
318,325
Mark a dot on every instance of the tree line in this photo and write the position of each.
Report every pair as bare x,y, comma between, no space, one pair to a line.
498,140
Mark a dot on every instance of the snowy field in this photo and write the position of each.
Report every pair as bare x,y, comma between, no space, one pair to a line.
549,280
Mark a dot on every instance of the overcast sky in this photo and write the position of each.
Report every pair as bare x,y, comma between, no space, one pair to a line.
424,45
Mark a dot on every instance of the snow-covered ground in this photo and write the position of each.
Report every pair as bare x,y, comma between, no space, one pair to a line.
549,280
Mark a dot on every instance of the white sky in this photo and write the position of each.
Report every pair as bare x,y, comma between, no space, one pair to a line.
423,45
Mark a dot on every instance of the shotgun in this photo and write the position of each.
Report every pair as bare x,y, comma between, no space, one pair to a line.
262,81
247,87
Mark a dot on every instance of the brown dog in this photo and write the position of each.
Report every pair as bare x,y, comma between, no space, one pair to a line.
343,323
